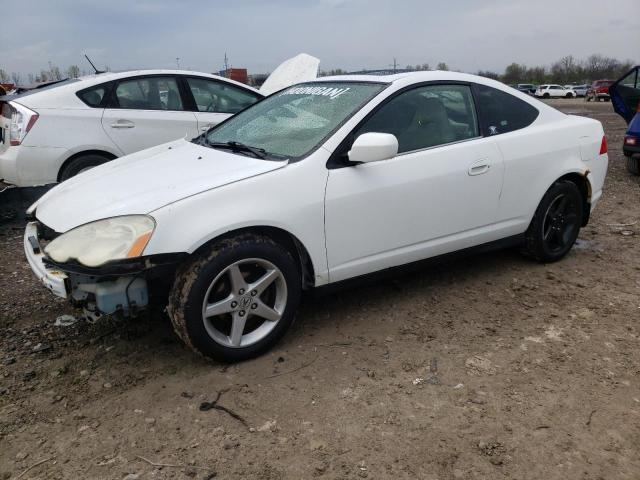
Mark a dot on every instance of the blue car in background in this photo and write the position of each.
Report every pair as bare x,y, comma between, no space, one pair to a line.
625,96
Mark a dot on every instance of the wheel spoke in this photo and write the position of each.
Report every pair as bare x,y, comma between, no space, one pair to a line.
547,233
559,237
219,307
266,312
570,218
236,278
562,204
237,329
263,282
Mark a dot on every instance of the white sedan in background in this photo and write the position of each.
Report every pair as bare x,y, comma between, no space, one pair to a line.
554,91
320,183
53,133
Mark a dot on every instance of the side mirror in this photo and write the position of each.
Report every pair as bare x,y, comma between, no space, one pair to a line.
373,147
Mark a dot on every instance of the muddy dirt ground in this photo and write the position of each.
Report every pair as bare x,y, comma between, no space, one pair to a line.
483,368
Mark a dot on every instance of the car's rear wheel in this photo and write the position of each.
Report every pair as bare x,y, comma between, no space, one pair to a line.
556,223
81,164
568,95
546,95
633,165
237,299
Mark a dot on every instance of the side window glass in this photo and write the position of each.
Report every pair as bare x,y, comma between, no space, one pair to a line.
219,97
426,117
502,112
151,93
93,96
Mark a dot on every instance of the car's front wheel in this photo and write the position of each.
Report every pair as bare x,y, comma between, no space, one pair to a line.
556,223
237,299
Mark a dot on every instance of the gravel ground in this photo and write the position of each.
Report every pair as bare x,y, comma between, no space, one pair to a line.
489,367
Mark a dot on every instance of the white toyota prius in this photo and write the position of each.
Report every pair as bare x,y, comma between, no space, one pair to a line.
321,182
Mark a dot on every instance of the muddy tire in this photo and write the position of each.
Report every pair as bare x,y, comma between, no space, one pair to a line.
236,299
81,164
555,224
633,165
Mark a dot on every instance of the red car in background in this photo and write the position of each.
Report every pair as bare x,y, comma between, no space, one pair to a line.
599,90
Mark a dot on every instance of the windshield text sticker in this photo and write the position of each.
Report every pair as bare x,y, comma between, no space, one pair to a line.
324,91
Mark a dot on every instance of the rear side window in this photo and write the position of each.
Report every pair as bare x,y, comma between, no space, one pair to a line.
502,112
151,93
219,97
93,96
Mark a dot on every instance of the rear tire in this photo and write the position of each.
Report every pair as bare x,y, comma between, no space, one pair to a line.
555,224
546,95
568,95
81,164
235,300
633,165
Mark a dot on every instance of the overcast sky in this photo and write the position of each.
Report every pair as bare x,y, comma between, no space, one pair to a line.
468,35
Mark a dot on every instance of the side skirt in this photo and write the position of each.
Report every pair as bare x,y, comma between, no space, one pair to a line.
374,277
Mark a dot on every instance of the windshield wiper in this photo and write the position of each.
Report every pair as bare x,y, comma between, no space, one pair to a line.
236,147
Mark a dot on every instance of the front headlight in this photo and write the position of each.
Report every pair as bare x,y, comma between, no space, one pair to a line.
96,243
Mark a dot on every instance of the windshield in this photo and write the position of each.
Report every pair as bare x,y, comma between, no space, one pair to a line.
295,121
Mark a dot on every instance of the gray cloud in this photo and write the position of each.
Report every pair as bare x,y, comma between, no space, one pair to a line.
350,34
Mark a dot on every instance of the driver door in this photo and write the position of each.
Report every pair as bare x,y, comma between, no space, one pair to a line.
216,100
439,194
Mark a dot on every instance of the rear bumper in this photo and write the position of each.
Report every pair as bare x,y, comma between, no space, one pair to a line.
630,151
26,166
54,280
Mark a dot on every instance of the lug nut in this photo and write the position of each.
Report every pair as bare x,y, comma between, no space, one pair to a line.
241,313
254,306
241,292
254,293
234,304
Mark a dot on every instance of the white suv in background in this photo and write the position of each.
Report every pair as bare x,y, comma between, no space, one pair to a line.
548,91
54,133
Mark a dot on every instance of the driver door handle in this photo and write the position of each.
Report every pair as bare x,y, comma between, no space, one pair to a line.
123,124
479,167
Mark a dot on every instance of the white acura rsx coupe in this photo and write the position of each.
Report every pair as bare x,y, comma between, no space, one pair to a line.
318,183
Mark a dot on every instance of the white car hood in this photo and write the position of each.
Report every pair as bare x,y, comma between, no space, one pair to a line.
143,182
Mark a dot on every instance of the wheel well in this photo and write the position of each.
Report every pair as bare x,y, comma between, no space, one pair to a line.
102,153
584,186
282,237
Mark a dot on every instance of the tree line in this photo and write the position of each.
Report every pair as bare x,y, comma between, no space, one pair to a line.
566,70
52,73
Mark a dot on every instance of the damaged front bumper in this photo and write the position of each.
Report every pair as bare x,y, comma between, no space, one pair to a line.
54,280
117,287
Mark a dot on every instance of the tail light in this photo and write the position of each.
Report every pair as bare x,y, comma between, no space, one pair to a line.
603,145
630,140
22,121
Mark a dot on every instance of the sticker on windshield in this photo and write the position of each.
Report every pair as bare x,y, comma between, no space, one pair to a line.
330,92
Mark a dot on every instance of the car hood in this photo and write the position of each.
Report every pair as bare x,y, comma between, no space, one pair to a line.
143,182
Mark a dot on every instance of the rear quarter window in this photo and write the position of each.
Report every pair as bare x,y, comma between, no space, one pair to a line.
501,112
93,96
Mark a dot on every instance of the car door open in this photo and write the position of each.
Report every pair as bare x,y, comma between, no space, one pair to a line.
435,196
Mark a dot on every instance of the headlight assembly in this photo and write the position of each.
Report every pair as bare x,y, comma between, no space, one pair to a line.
99,242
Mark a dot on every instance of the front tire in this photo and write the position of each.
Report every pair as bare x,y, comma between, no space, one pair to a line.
556,223
237,299
633,165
